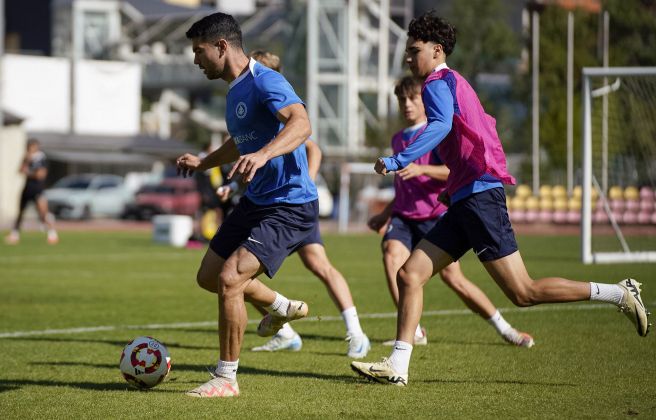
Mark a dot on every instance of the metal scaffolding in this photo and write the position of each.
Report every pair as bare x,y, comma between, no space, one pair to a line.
355,52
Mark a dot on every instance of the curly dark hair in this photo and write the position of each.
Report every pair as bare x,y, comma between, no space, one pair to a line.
429,27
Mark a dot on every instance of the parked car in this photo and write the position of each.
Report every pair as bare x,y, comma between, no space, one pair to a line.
87,195
171,196
326,202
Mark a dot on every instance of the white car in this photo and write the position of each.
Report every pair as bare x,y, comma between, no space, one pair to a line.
88,195
325,197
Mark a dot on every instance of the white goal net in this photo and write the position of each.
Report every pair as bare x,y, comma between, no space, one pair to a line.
619,165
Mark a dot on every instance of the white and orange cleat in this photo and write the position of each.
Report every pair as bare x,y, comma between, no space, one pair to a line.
53,238
218,387
518,338
13,238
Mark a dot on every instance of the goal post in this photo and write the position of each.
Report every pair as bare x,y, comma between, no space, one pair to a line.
618,213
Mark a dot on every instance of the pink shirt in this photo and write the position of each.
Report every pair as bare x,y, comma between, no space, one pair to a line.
416,198
472,148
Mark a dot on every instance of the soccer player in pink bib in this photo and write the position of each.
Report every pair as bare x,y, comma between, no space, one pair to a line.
415,210
468,144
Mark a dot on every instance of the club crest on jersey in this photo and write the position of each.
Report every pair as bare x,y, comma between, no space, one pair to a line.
241,110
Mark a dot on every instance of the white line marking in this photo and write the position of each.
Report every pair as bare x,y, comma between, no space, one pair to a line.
386,315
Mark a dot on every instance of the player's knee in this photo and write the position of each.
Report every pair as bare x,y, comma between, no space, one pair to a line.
206,281
229,282
408,279
452,280
523,297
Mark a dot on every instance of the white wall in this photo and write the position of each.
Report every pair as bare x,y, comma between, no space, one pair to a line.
107,94
107,97
37,89
12,150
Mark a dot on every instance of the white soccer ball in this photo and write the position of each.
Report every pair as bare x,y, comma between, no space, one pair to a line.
145,362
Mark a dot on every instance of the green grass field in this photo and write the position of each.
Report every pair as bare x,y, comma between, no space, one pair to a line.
588,361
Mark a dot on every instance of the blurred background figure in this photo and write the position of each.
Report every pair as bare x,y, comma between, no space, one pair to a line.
35,169
214,205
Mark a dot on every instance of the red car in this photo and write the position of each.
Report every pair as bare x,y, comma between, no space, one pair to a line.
171,196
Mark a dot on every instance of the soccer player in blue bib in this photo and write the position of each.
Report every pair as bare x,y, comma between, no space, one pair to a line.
268,124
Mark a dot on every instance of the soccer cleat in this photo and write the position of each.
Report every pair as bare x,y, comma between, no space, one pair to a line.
278,343
13,238
381,372
53,238
217,387
633,307
518,338
420,340
271,323
358,346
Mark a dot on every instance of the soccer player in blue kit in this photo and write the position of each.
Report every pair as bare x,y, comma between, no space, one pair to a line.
268,125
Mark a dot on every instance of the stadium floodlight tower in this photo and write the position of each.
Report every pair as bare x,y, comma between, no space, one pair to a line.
354,53
618,143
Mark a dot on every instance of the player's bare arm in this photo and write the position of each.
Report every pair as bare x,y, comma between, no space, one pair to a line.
438,172
314,158
189,163
378,221
294,133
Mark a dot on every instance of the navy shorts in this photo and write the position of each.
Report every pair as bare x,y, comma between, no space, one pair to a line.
270,232
479,221
409,232
313,238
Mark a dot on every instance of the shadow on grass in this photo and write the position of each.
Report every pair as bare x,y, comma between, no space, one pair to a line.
497,382
13,384
295,374
114,366
202,369
118,343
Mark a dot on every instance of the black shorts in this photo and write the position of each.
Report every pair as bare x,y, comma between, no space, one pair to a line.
270,232
31,192
479,221
409,232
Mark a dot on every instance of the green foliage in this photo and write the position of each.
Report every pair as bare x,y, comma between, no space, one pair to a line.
631,40
588,360
485,42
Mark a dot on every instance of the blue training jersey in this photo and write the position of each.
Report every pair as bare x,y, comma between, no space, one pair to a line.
253,100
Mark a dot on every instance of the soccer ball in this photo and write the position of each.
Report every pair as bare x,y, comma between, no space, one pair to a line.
145,362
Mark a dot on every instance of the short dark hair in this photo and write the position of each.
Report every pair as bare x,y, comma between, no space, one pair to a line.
214,27
408,85
431,28
33,142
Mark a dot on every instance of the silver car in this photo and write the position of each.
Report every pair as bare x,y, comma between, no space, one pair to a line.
85,196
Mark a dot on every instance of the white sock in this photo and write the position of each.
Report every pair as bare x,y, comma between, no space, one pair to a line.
227,369
499,324
610,293
350,317
418,331
286,331
400,357
279,306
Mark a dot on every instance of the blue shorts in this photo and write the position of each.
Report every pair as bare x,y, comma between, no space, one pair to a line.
409,232
479,221
270,232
